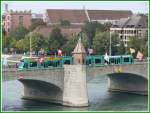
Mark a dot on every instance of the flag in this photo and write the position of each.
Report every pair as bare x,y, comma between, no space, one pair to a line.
106,57
132,50
90,51
41,60
59,52
139,55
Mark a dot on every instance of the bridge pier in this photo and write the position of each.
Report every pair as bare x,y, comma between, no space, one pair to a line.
75,88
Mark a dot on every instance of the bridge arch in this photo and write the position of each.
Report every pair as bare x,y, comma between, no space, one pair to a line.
128,82
41,90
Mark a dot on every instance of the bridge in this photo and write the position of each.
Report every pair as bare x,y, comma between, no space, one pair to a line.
67,85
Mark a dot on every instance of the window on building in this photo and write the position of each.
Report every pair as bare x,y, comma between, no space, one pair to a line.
134,31
132,26
20,20
125,37
120,37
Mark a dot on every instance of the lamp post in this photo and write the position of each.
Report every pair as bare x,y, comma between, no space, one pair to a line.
30,44
110,44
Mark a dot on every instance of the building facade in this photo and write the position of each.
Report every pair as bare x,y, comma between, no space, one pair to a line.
13,19
134,26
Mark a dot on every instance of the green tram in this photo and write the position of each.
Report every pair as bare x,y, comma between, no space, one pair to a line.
58,62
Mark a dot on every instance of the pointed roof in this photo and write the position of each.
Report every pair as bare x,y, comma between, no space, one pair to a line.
79,47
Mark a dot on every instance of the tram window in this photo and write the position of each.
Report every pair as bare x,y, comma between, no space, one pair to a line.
117,61
112,60
33,64
25,65
50,63
126,59
97,61
89,62
67,62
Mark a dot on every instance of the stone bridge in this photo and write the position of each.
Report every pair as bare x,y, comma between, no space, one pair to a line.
67,85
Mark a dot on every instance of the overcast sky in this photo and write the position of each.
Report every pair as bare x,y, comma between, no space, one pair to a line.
40,6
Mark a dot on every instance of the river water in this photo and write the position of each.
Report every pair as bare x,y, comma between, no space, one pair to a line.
100,99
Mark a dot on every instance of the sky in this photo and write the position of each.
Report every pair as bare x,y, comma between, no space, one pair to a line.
40,6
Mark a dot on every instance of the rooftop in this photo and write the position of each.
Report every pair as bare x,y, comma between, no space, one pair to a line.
80,16
135,21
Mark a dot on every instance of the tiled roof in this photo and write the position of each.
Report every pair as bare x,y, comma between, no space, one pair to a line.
79,16
74,16
108,14
135,21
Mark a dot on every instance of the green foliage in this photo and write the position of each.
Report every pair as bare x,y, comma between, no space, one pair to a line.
5,42
71,43
139,44
114,43
65,23
36,23
37,41
18,33
101,42
121,49
21,45
56,39
92,28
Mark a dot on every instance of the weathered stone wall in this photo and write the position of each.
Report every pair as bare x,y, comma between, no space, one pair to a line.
126,82
75,86
54,76
68,85
40,90
138,69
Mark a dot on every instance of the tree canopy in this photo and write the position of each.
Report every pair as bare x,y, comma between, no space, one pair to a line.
18,33
56,39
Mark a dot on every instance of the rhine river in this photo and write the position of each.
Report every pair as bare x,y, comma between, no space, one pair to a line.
100,99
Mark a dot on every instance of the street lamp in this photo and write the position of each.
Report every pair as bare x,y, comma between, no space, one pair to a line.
110,43
30,44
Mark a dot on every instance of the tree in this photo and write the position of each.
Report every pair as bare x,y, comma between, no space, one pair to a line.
90,29
5,42
139,44
101,42
114,43
36,23
21,44
18,33
56,39
64,23
71,43
121,49
37,41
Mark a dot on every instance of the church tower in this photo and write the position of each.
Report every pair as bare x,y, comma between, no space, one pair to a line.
79,54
